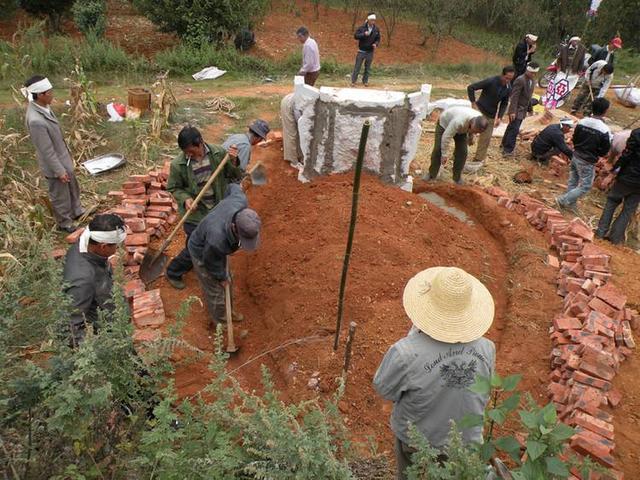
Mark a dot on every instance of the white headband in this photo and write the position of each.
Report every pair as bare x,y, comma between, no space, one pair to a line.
371,17
41,86
113,236
532,37
532,70
574,39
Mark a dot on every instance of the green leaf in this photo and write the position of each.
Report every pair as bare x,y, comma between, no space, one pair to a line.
470,420
555,466
496,380
486,451
511,403
482,385
545,430
535,449
497,415
510,445
529,419
549,414
561,432
511,382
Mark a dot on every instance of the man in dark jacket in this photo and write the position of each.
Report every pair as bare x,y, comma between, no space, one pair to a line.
189,173
87,274
551,141
230,226
591,140
368,36
625,190
493,102
523,53
607,53
519,106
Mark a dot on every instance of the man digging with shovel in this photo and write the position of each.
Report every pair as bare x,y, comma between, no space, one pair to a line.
230,226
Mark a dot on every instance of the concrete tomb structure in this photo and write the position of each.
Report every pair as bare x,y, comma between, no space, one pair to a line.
330,122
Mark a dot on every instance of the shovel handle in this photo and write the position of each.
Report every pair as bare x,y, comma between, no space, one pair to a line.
193,206
231,344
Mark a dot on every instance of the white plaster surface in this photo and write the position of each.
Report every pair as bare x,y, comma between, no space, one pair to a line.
362,97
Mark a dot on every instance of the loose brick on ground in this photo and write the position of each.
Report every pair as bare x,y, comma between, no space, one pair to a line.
137,239
73,237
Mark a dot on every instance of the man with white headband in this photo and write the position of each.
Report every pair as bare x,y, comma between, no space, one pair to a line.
571,59
551,141
52,153
368,36
524,52
87,273
519,106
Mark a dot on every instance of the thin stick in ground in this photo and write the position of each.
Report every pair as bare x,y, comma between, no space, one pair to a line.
347,350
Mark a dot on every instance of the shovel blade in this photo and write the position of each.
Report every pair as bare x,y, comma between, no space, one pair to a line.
259,175
152,266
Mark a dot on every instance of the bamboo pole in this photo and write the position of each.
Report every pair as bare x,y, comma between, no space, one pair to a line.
347,350
352,227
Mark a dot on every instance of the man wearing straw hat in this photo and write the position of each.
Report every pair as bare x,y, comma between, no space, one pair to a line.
52,153
427,374
87,273
368,36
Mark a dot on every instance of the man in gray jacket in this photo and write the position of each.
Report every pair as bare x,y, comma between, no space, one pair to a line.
519,106
87,273
230,226
257,132
52,153
427,374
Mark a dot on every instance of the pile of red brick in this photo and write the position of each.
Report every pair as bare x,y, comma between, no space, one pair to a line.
149,211
604,176
591,336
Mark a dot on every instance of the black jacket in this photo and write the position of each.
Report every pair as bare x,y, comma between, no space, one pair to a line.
494,97
601,54
366,42
629,162
591,139
550,138
521,57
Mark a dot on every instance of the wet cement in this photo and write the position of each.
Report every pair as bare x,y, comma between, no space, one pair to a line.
440,202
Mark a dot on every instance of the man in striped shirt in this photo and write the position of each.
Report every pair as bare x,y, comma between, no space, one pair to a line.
190,171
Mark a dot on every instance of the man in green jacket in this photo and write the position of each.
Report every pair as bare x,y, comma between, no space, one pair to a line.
189,172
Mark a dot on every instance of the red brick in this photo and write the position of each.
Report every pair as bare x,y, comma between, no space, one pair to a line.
580,229
140,178
127,201
553,261
161,201
566,323
614,396
133,287
132,184
116,194
58,253
594,437
73,237
600,276
612,295
153,319
146,335
126,212
589,286
586,379
592,423
156,214
137,225
557,392
601,307
629,341
597,452
168,209
135,191
600,370
137,239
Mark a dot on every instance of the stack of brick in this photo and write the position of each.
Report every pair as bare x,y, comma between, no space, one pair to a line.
604,176
148,211
590,337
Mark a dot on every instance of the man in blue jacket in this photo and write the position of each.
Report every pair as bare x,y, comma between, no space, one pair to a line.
368,36
625,190
230,226
591,140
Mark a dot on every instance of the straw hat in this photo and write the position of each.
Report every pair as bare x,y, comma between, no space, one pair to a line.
448,304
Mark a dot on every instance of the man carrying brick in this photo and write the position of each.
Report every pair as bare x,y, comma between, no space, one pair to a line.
87,273
189,172
550,141
519,106
591,140
625,190
53,155
427,374
243,142
230,226
493,102
457,125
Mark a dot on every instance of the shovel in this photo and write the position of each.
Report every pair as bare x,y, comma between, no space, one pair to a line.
154,261
258,174
231,344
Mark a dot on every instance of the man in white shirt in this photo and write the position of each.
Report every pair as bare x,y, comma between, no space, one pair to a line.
597,79
458,124
310,57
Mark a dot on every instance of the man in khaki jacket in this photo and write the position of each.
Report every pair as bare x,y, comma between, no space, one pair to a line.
519,106
52,153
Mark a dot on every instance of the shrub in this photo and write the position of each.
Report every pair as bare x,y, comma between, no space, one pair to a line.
53,9
203,21
90,16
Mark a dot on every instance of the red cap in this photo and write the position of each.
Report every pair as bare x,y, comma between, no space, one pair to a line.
616,42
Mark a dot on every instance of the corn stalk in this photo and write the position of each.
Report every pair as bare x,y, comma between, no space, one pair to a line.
163,106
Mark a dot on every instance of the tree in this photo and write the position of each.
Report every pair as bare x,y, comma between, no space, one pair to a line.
390,11
438,17
90,16
203,21
8,7
53,9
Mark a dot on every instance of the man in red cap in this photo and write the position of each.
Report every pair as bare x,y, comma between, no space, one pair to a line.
607,53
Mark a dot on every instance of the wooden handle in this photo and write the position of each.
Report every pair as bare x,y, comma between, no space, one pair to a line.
193,206
231,344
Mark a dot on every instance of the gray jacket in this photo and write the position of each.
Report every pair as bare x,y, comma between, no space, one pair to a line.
428,382
52,152
521,94
240,140
88,281
214,239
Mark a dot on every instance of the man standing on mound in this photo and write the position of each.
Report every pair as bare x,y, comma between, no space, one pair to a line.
427,374
368,36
